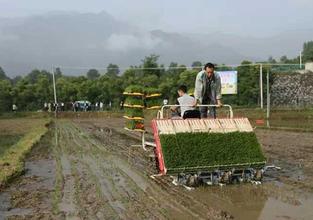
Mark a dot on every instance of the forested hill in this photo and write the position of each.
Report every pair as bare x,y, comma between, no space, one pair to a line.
97,39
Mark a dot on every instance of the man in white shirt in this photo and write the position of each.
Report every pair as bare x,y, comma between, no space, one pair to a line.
185,101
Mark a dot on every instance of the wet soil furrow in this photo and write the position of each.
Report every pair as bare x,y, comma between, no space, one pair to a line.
142,158
186,204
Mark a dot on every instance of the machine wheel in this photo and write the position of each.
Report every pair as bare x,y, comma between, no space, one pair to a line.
192,181
235,180
258,175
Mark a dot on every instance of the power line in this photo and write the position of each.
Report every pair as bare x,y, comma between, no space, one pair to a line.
170,68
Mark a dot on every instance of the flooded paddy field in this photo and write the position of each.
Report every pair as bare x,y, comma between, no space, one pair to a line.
86,169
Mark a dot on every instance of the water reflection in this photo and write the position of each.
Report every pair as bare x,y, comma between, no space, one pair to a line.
248,202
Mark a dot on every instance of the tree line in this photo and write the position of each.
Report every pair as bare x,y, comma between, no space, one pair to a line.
30,92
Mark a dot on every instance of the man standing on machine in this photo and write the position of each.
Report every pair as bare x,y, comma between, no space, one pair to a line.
208,90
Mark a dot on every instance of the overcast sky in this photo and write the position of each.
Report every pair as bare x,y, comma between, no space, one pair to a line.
241,17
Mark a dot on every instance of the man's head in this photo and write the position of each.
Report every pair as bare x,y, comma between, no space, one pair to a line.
182,90
209,69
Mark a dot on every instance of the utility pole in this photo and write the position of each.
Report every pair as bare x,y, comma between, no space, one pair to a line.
261,85
54,92
300,59
268,96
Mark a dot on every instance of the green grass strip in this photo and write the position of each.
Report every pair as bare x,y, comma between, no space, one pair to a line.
12,161
6,141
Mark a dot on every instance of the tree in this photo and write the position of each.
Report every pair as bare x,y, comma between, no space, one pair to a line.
162,70
16,79
129,77
43,90
2,74
93,74
58,73
92,90
188,78
308,51
284,59
31,91
182,68
112,70
67,89
150,65
248,84
223,67
5,95
32,76
169,88
24,94
150,81
172,69
271,60
111,89
175,70
196,65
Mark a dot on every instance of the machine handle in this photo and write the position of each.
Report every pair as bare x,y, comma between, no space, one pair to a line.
160,114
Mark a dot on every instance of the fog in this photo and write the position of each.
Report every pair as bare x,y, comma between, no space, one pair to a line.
40,34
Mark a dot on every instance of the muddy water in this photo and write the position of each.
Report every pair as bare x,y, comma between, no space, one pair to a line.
254,202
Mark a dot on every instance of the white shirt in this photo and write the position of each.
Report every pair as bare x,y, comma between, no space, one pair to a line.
186,100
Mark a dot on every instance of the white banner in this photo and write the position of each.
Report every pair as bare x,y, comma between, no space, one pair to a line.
229,81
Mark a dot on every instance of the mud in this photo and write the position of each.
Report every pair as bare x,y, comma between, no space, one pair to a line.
30,196
87,169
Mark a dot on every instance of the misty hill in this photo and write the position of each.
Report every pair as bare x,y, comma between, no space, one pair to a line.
89,39
288,43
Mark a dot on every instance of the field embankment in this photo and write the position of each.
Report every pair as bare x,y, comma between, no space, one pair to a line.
17,137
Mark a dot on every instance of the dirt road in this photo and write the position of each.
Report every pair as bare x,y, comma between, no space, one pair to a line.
86,169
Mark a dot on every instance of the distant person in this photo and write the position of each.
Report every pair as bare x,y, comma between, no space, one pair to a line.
73,107
49,107
85,106
101,106
62,107
122,105
186,104
208,90
76,106
45,106
14,108
55,107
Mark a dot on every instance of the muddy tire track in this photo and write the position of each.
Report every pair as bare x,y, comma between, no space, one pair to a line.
292,185
117,176
180,201
86,169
